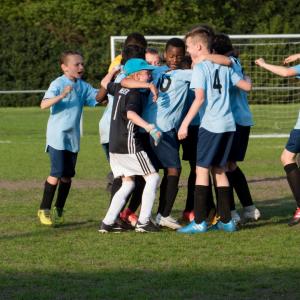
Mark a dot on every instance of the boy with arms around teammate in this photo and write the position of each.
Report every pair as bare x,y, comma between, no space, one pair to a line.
127,156
211,83
292,148
65,97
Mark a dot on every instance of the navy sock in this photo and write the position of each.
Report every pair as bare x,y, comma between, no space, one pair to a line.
49,192
293,178
224,195
62,194
200,202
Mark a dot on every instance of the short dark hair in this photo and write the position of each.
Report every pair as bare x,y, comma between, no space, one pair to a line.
64,55
186,62
136,38
132,51
222,44
175,42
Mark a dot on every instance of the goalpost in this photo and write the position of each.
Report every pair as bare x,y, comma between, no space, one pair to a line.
274,101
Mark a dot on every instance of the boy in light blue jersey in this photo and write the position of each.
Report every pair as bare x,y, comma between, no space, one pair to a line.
166,114
212,83
225,55
65,97
292,148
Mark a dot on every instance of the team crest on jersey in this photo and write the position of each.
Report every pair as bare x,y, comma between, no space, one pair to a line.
123,91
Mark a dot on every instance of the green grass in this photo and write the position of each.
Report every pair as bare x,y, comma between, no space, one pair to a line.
261,261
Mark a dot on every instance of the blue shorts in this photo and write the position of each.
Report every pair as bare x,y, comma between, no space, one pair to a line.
213,148
63,162
167,151
239,143
293,144
189,144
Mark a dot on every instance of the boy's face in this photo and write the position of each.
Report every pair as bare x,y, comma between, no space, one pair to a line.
173,57
73,67
153,59
192,48
144,76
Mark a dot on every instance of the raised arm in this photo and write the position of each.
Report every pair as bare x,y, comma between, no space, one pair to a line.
109,76
198,101
278,70
46,103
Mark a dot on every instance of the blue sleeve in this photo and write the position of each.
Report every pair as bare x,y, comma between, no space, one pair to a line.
198,78
184,75
297,69
90,95
53,90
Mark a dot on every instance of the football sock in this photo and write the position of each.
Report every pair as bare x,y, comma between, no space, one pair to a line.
224,195
189,205
171,193
210,199
115,186
49,192
238,181
162,194
293,178
137,193
200,202
148,197
118,201
62,194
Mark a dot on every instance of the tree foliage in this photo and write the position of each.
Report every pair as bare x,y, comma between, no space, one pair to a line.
34,33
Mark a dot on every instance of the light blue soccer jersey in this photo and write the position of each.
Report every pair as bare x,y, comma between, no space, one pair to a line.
104,124
216,81
166,112
63,129
238,99
297,69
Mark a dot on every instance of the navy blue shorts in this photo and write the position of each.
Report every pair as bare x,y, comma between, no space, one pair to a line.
167,151
63,162
213,148
240,143
189,144
293,144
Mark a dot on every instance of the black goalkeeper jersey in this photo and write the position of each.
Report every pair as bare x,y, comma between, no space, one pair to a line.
124,135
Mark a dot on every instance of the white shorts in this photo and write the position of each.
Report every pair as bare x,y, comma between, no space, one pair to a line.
130,164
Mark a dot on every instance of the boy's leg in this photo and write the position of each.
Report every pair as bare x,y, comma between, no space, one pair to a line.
162,193
136,197
49,192
189,205
148,197
118,200
63,192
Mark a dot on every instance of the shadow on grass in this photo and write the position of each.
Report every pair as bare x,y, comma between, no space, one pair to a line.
267,283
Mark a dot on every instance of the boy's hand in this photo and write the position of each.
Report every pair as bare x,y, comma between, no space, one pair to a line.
182,132
291,58
260,62
154,91
66,90
154,132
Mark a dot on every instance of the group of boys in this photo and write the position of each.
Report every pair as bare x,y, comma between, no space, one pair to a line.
204,109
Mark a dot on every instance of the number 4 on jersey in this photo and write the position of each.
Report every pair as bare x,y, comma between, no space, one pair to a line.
217,84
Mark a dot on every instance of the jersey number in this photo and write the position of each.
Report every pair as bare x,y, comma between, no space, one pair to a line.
217,84
164,83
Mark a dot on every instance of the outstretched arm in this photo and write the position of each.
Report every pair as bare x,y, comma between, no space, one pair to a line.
134,84
215,58
278,70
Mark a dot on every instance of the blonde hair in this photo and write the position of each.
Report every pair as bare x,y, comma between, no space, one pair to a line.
201,35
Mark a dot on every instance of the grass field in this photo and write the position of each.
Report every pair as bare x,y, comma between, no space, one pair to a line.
261,261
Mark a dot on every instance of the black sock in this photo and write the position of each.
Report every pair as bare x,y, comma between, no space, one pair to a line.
293,178
210,199
224,195
62,194
171,193
200,202
189,205
238,181
136,197
162,195
49,192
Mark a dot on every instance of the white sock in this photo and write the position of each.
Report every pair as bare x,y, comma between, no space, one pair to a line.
148,197
118,201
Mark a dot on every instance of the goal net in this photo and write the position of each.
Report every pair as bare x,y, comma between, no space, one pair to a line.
274,101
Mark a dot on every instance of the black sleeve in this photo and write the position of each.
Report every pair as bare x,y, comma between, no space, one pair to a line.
111,88
134,102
